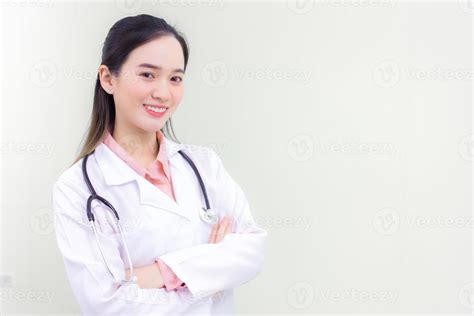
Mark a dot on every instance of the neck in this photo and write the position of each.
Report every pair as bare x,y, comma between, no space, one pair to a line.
141,145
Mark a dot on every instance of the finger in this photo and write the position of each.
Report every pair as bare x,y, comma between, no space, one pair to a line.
228,229
215,228
212,237
221,230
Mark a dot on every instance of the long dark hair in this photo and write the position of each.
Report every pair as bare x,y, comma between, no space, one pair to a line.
123,37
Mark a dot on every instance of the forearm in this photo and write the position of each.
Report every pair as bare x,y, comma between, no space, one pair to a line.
210,268
148,277
159,275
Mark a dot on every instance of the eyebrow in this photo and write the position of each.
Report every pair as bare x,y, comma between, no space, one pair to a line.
146,65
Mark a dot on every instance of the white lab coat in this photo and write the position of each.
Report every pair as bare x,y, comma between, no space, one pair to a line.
156,226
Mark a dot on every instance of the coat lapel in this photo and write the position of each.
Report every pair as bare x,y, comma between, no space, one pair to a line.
117,172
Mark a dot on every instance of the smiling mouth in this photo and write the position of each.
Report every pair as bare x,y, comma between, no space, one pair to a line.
155,108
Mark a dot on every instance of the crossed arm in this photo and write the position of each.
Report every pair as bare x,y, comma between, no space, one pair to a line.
150,276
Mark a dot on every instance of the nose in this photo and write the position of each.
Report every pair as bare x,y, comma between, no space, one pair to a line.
161,91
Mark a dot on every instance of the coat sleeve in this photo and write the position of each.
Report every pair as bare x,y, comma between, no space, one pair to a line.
92,285
239,257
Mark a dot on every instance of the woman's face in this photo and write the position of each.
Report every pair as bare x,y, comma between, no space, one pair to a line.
152,75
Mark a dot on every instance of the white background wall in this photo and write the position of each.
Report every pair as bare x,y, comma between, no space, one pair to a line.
347,123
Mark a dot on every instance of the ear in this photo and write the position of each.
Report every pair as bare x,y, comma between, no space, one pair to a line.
105,78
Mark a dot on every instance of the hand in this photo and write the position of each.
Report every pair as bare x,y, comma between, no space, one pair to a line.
148,277
219,230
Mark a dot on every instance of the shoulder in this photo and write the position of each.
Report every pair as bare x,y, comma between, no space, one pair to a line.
200,151
203,156
70,179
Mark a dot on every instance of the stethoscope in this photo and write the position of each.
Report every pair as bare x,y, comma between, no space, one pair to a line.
206,214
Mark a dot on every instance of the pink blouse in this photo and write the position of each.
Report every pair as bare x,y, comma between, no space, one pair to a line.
158,174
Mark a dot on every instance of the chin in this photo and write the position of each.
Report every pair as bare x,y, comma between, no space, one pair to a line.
156,127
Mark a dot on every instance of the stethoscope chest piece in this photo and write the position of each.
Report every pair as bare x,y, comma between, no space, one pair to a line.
208,216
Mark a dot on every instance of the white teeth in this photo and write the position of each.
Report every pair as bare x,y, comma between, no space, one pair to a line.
155,109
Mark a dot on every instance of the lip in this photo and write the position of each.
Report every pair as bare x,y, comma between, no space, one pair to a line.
156,114
157,105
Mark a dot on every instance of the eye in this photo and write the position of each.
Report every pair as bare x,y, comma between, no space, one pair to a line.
179,79
146,73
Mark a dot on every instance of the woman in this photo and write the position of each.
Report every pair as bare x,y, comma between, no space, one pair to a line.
177,262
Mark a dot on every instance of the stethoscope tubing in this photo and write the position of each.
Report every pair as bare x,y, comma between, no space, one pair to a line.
208,215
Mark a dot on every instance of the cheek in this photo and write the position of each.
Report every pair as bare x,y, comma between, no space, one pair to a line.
135,89
178,93
140,91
